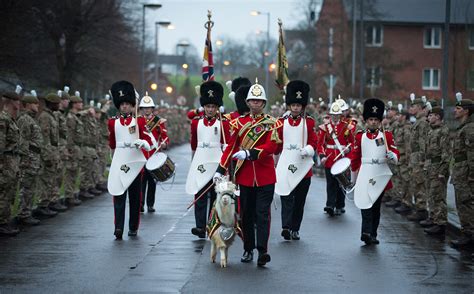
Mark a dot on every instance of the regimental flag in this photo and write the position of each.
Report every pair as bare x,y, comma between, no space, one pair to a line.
207,62
282,63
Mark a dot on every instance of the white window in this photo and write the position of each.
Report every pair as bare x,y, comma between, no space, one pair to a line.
374,35
470,80
431,79
432,38
471,39
374,77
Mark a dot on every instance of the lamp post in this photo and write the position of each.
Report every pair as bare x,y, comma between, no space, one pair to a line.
142,69
267,44
164,23
183,44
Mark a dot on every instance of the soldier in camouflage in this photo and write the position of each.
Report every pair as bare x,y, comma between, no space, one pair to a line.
419,133
437,167
102,148
74,142
49,191
463,170
61,116
9,159
30,160
402,140
390,124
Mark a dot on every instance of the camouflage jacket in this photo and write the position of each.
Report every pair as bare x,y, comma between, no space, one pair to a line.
32,140
437,151
9,134
75,130
91,133
401,136
63,129
50,130
418,137
463,153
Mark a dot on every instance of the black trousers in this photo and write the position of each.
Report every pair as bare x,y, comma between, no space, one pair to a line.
371,218
335,195
134,206
201,211
292,206
148,194
255,212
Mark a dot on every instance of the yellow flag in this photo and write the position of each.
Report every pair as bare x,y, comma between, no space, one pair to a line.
282,62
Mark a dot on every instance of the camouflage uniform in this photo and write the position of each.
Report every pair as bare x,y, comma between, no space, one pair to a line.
74,143
103,148
49,189
402,179
463,175
30,162
89,159
9,164
437,166
419,133
391,194
64,155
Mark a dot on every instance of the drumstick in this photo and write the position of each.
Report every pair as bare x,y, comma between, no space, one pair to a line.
199,197
385,139
339,155
161,144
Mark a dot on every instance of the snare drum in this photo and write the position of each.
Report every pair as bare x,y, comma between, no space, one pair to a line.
341,170
160,166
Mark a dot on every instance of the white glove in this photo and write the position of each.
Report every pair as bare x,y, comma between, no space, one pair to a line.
139,143
217,176
392,156
241,155
307,151
221,109
200,109
224,146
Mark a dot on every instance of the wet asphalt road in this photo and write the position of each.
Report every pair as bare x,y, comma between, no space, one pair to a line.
76,253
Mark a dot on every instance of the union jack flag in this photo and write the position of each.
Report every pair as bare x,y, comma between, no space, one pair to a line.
207,62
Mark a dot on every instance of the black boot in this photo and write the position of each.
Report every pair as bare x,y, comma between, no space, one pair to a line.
263,258
403,209
83,194
366,238
329,210
285,233
462,242
45,211
201,233
436,230
426,223
29,221
7,230
392,203
247,257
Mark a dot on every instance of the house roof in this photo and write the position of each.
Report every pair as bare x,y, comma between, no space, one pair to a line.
413,11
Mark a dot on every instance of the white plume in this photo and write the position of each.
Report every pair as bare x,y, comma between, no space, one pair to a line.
311,100
400,107
18,89
423,98
99,105
428,106
33,93
107,97
458,96
60,93
77,94
390,104
412,97
91,103
66,89
221,109
232,96
198,90
229,85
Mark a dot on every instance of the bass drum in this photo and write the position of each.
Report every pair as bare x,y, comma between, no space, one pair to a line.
341,170
160,166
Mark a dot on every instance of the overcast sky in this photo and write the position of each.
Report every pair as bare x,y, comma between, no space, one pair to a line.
231,18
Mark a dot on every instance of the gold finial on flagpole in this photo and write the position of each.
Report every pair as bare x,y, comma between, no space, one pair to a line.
209,23
280,23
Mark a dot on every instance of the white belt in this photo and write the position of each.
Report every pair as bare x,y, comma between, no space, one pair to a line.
292,146
124,145
334,147
209,145
374,160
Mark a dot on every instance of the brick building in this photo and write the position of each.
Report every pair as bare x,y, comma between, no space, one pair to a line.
404,42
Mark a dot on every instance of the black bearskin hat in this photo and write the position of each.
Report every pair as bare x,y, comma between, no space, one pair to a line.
211,93
373,108
297,92
123,91
240,99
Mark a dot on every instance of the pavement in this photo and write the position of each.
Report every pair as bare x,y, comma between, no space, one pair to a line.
76,252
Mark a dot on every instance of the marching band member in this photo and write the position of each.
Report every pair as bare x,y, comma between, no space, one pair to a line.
296,160
334,141
156,126
126,139
253,142
208,134
372,149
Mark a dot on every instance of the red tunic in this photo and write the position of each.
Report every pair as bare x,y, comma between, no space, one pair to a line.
327,146
356,153
259,169
125,121
209,122
193,113
312,139
160,133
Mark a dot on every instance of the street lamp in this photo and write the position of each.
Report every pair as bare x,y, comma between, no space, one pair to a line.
164,23
183,44
151,6
257,13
